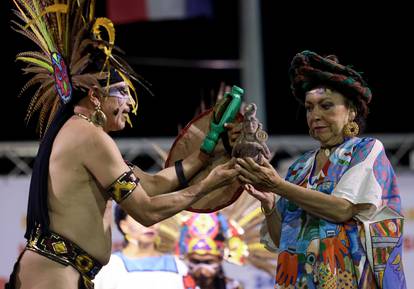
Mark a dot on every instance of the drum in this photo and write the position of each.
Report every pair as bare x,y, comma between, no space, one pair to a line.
190,140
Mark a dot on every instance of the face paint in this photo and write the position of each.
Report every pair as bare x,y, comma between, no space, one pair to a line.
212,268
121,91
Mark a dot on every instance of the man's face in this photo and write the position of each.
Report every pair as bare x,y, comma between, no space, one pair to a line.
204,268
117,106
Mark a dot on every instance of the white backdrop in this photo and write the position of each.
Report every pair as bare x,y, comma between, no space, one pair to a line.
13,192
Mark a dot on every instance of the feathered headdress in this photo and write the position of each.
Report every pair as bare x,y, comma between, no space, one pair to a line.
232,233
76,53
70,39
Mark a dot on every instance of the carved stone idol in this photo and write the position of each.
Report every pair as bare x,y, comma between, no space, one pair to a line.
252,140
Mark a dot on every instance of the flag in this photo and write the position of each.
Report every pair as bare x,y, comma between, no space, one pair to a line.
127,11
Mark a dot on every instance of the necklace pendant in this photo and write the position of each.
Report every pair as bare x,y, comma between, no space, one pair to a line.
327,152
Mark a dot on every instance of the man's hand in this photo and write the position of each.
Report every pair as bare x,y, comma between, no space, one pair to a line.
233,132
221,175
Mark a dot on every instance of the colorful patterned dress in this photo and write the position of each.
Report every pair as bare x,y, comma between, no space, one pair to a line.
316,253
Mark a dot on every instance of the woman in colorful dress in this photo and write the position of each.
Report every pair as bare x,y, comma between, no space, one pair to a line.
334,219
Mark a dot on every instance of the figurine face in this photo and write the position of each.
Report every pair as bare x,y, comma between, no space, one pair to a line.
250,126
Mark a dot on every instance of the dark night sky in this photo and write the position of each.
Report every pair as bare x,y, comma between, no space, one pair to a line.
374,40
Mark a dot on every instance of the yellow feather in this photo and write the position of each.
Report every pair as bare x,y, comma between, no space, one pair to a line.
61,8
250,216
134,99
32,27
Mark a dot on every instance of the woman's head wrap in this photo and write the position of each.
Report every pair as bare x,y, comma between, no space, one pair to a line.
309,70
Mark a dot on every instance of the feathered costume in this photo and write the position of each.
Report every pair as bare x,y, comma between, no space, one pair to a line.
75,54
232,233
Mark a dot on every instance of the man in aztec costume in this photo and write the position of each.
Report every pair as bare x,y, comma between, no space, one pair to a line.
83,92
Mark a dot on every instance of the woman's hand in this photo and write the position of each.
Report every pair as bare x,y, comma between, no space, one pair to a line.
263,177
266,198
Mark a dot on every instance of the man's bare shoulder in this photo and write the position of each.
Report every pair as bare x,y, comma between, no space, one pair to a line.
82,144
78,133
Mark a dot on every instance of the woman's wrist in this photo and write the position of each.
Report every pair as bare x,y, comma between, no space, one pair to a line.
269,206
276,184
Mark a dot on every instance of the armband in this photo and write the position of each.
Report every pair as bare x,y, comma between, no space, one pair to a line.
129,164
179,170
123,186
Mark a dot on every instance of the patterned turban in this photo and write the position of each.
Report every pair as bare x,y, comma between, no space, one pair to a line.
309,69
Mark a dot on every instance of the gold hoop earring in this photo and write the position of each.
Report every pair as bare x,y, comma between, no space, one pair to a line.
98,117
157,242
351,129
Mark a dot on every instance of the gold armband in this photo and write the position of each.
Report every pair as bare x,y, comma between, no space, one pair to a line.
123,186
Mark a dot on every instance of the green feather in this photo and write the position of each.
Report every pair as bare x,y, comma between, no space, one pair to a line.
37,62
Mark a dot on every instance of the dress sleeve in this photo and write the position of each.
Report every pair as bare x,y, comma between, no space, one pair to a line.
368,179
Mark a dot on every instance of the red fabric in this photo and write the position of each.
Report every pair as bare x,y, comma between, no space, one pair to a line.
126,11
189,282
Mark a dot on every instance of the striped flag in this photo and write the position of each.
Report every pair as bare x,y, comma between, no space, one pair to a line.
127,11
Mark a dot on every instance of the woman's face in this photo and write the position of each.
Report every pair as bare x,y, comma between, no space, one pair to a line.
327,114
137,232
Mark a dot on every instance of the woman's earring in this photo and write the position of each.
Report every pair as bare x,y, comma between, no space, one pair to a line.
157,241
351,129
98,117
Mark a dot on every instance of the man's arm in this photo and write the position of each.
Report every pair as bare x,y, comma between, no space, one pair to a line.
103,159
166,180
149,210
